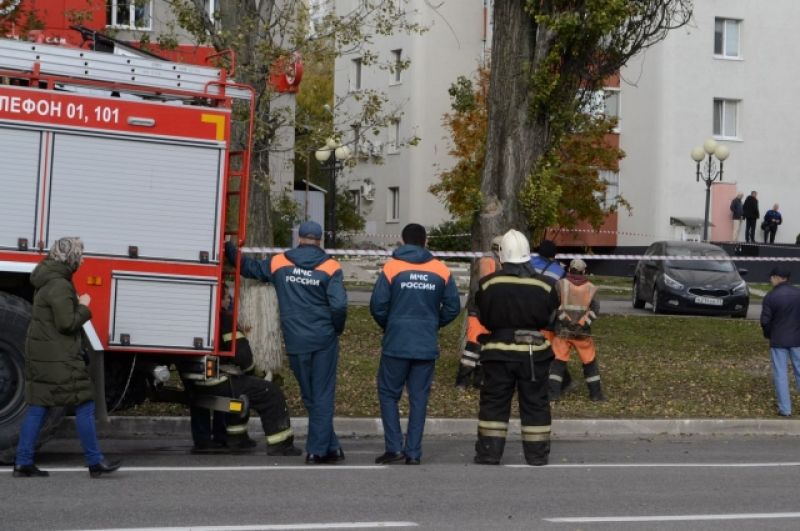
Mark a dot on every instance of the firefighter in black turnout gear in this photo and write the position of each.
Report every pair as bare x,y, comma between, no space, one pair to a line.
235,380
515,304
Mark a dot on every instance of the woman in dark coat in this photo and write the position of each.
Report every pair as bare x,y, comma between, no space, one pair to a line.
55,372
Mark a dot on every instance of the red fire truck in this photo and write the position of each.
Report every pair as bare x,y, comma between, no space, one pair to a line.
135,156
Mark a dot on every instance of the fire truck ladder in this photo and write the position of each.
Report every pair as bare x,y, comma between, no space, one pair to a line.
237,168
92,66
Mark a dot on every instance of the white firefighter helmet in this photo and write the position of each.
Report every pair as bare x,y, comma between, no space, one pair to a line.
515,249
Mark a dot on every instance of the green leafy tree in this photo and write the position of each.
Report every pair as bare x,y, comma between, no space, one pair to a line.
460,186
568,187
348,219
450,235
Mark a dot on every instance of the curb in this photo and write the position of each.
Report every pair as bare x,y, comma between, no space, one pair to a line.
178,427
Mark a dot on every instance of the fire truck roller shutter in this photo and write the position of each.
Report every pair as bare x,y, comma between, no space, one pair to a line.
182,311
20,153
162,197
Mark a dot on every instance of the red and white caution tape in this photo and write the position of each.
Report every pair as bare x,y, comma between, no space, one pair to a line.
562,256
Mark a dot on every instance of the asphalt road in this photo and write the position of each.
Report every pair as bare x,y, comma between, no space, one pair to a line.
608,306
662,484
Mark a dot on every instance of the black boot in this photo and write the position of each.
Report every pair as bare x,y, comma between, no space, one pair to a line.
591,373
556,379
489,450
284,448
103,467
536,453
29,471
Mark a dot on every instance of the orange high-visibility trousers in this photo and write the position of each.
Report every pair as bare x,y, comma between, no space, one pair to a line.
585,347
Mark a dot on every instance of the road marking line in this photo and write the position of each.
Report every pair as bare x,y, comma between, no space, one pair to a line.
248,468
664,465
671,518
272,527
333,468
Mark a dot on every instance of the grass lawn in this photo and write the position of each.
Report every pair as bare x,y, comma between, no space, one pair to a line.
651,366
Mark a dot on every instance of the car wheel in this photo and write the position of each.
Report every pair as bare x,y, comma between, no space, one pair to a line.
637,302
656,308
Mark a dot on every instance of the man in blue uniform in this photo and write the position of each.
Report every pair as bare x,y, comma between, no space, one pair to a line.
313,310
545,263
414,296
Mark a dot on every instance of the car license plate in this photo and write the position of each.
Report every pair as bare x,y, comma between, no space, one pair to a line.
711,301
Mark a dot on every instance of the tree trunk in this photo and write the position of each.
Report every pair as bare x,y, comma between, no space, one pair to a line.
515,139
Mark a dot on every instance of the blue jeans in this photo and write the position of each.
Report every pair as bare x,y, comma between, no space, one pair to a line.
316,375
393,375
34,419
780,376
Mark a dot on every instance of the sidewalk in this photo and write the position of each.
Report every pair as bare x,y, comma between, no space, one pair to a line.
148,427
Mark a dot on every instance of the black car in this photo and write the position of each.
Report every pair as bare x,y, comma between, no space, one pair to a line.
712,287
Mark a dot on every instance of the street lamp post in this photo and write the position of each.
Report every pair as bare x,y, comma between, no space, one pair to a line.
709,173
334,153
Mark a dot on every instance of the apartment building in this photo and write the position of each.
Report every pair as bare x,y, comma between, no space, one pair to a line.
391,179
726,76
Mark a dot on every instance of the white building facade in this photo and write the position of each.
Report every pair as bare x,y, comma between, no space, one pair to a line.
390,179
726,76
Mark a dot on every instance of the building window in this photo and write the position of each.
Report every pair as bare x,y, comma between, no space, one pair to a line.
393,145
608,199
355,74
393,204
355,199
358,149
726,118
611,103
397,67
133,14
602,103
726,37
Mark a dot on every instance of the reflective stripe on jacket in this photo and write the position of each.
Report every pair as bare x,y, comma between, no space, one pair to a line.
578,306
515,298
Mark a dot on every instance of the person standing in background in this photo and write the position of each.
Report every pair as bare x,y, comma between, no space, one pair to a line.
313,310
737,214
415,295
751,215
515,304
780,322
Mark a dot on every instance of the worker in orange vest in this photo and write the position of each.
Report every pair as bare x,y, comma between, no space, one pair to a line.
469,371
576,312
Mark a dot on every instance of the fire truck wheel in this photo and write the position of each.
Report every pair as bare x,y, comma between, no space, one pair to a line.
15,314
